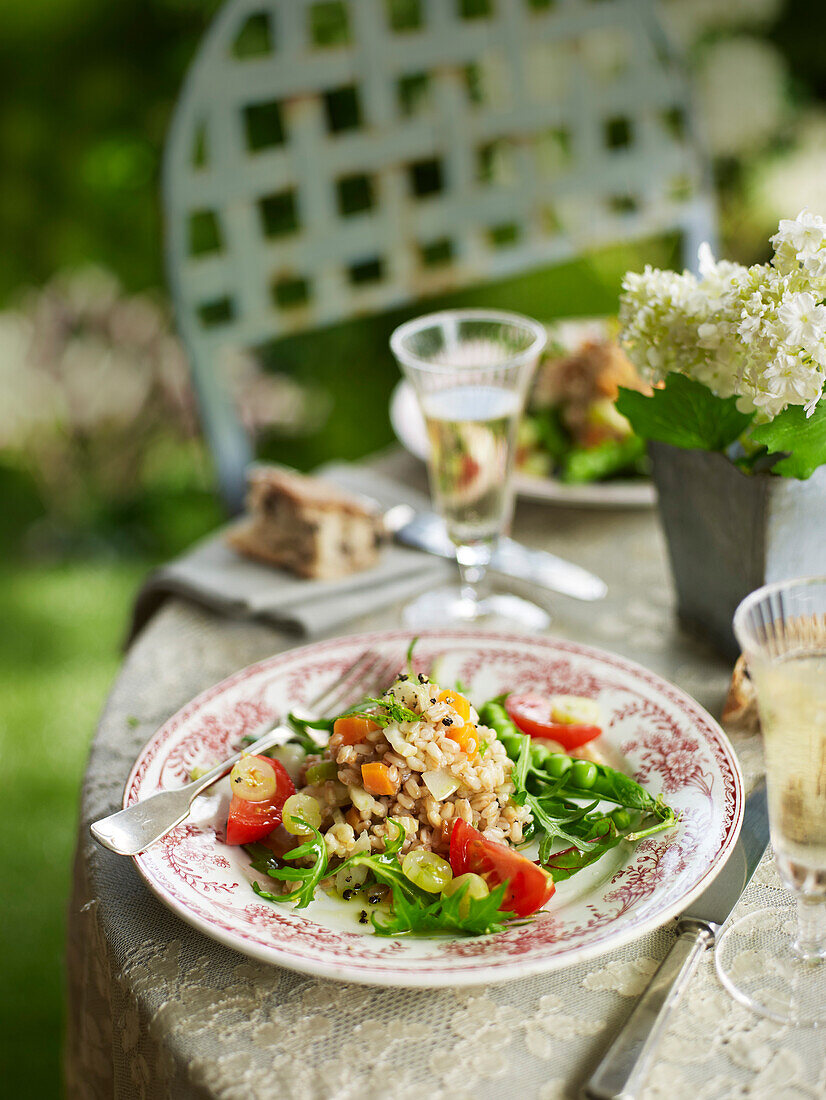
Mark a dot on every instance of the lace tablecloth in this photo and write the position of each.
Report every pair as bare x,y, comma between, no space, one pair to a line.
157,1010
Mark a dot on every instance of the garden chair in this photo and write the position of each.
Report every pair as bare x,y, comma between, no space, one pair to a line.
336,158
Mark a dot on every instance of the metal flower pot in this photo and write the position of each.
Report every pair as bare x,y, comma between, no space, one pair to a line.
728,533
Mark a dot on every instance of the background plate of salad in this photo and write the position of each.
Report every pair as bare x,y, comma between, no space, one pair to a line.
573,446
617,848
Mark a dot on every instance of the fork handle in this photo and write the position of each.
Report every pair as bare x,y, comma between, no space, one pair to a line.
140,825
622,1072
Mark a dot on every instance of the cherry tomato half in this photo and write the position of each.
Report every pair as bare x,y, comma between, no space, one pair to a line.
529,887
531,712
249,821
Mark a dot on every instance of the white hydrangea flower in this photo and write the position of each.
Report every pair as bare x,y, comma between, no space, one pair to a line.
805,233
803,320
757,333
814,264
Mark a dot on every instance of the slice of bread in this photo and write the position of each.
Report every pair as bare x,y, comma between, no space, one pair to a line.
306,525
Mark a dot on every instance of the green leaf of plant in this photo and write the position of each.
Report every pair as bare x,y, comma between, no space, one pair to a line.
685,414
802,439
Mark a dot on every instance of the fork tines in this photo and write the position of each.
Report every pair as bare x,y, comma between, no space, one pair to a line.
369,674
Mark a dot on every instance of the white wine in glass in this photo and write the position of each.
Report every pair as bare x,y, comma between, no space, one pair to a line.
471,431
470,369
792,694
774,959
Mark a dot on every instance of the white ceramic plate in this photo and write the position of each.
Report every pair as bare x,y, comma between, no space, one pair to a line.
408,425
653,731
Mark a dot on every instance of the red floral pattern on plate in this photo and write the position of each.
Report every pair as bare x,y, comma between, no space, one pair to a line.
661,735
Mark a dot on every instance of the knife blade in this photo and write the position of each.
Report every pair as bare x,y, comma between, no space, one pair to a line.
426,531
716,902
622,1072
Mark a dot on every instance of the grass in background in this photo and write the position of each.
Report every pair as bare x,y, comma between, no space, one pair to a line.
59,652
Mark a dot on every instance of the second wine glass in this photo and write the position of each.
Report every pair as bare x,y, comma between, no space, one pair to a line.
774,959
471,370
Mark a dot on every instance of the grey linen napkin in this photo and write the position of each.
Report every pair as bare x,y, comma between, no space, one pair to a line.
214,575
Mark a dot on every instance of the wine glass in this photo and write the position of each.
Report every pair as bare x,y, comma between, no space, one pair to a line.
471,369
774,960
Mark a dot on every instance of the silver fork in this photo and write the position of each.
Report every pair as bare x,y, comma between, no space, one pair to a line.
134,829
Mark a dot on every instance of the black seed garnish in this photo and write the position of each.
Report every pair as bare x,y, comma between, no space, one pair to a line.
363,917
447,721
432,700
422,678
403,676
374,899
348,894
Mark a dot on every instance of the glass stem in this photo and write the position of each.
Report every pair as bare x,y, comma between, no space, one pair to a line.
472,559
810,941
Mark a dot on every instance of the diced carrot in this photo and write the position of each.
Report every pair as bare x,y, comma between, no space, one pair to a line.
457,701
376,779
353,818
353,728
466,737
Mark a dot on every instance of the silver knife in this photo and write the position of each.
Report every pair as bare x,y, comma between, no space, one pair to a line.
623,1071
426,531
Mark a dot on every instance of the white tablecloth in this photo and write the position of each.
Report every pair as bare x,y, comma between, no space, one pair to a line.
157,1010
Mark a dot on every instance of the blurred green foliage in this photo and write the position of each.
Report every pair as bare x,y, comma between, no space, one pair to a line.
87,88
799,34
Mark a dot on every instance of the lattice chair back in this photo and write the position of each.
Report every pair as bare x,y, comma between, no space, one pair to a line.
334,158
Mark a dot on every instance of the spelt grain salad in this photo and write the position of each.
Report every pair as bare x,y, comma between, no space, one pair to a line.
430,815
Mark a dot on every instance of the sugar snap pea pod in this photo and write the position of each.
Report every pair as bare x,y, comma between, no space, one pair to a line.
603,832
495,717
609,784
583,778
600,832
580,825
558,764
